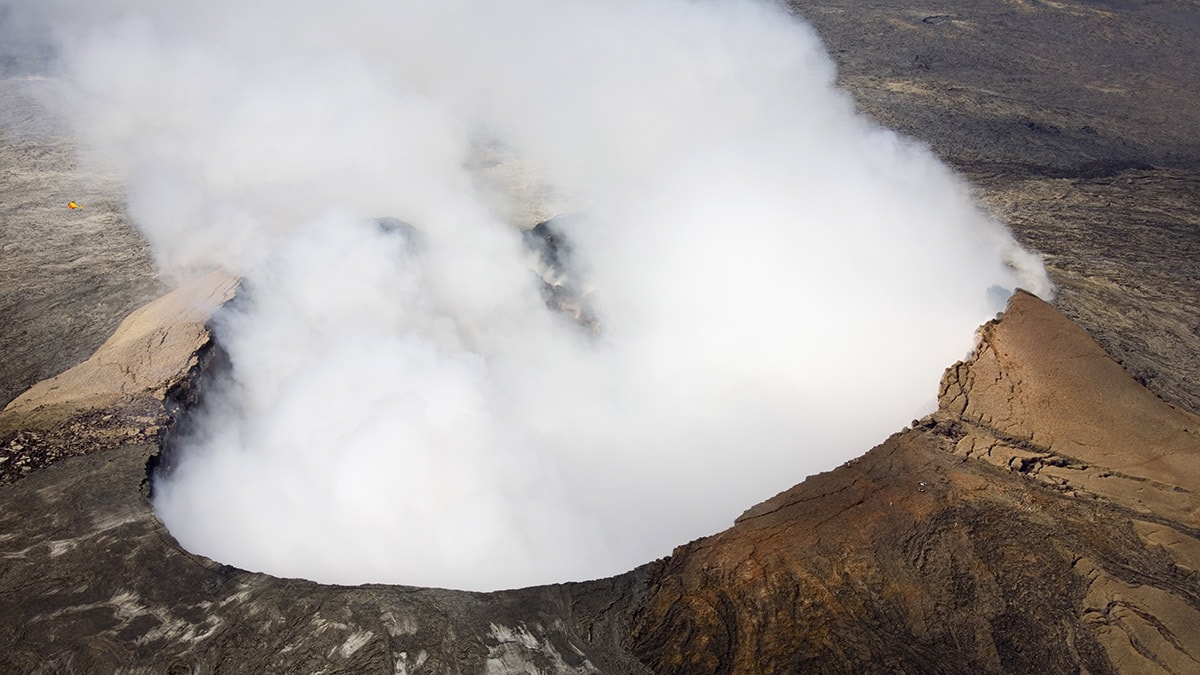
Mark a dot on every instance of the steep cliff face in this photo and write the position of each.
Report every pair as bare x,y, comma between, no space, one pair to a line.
1044,519
123,392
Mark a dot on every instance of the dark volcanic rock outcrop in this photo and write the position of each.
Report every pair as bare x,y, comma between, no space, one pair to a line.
1081,88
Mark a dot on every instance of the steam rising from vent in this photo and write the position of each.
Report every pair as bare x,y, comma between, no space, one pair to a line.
743,282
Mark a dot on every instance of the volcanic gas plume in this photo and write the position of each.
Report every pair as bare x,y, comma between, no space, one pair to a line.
742,281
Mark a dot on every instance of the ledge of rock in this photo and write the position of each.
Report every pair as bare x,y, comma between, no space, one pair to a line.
119,394
1042,398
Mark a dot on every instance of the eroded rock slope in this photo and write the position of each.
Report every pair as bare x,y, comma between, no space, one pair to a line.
1044,519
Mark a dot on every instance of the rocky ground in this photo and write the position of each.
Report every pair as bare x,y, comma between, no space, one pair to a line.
1044,519
67,277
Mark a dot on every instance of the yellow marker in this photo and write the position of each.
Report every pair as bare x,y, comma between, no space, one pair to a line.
73,205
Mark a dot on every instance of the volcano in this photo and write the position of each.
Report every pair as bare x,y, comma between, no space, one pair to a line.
1041,519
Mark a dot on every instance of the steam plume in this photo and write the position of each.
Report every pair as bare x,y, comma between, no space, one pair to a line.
747,282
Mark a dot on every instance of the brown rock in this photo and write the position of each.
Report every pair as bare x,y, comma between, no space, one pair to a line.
1071,547
151,351
1042,397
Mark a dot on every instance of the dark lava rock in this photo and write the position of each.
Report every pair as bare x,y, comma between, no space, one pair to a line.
93,583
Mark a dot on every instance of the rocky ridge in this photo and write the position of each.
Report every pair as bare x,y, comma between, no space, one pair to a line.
1042,520
125,392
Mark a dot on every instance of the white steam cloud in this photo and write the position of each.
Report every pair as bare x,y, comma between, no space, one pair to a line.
758,283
